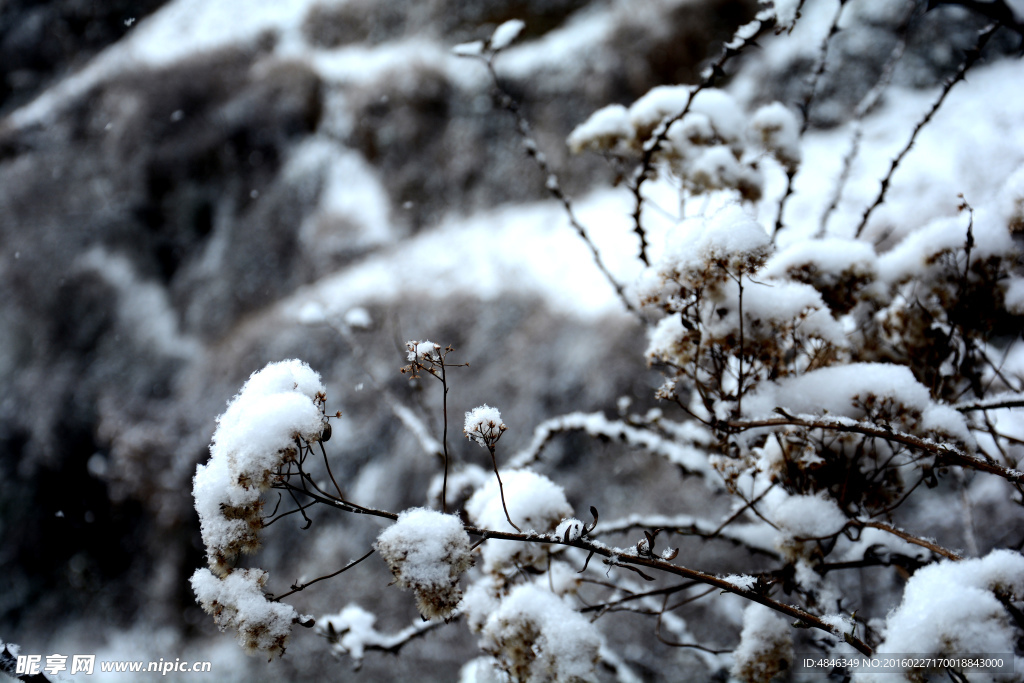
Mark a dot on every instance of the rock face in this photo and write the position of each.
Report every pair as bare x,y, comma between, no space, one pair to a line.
154,219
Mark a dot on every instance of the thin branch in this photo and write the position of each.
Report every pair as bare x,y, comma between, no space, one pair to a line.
946,452
624,558
971,57
552,183
652,146
501,488
910,538
299,587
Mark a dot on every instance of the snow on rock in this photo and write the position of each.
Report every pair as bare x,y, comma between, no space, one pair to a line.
845,390
237,601
534,502
427,552
256,433
766,645
537,636
952,608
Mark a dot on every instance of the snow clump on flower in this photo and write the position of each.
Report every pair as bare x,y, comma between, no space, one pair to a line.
940,599
484,425
254,436
766,645
237,601
427,551
537,636
534,500
423,350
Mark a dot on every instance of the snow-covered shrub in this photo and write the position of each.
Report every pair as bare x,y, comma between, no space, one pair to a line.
844,390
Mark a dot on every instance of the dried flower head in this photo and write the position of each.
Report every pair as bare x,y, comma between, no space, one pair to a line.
484,425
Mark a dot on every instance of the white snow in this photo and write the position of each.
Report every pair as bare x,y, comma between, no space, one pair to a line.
237,601
275,406
537,636
483,425
833,391
427,551
766,645
804,516
506,33
605,129
535,503
950,608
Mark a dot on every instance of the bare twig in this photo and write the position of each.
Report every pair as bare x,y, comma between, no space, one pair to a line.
971,57
299,587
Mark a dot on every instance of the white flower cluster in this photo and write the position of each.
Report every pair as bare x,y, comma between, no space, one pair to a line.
427,552
484,425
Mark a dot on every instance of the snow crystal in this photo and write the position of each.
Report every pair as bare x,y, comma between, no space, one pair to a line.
237,601
940,599
427,551
744,581
483,425
536,635
506,33
766,645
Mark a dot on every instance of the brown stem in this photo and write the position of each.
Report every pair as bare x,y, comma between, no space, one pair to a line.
501,489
